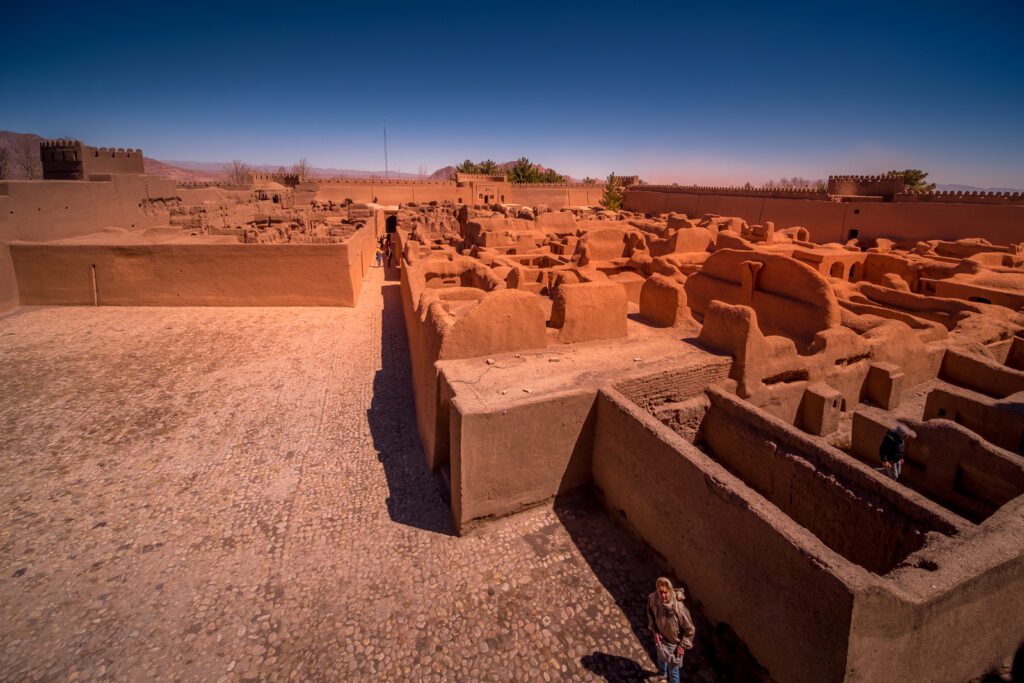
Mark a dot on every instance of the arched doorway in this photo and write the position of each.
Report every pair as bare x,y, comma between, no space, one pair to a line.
391,223
837,270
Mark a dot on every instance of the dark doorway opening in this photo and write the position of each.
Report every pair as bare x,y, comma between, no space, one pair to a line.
391,224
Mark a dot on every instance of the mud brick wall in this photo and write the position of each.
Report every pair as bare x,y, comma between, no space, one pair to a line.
674,385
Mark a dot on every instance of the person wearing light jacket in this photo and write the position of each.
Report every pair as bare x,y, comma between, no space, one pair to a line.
670,622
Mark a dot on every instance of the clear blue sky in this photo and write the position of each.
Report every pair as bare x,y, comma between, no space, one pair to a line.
713,93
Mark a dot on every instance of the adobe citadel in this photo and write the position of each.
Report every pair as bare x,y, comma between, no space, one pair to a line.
716,366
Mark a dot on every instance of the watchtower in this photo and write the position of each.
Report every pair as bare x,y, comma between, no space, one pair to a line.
72,160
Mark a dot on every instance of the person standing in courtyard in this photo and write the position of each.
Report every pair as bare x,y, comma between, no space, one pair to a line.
670,623
892,451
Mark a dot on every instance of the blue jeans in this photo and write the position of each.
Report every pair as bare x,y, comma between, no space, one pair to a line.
894,471
673,672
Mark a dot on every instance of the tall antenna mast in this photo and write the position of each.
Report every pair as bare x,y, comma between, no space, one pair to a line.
385,149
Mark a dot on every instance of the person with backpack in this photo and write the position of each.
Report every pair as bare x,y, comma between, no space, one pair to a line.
892,451
670,623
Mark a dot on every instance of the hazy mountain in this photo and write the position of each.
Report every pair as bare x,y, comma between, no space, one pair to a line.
445,173
217,167
161,168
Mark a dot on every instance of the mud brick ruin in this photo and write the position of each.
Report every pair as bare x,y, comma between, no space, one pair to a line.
718,364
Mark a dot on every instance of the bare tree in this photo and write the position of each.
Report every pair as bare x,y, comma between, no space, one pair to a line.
238,172
5,162
302,169
28,158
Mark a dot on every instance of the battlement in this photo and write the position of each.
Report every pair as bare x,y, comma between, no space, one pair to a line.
72,160
377,180
287,179
198,184
488,177
867,178
771,192
962,197
886,186
113,152
573,185
50,144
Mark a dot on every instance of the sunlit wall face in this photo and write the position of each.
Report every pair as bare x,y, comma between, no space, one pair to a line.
719,94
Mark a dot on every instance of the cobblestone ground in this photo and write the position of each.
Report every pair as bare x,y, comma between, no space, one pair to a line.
204,494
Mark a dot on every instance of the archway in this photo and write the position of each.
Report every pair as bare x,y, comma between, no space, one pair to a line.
391,223
836,270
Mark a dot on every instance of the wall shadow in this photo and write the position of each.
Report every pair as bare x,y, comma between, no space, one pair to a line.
627,568
614,668
416,497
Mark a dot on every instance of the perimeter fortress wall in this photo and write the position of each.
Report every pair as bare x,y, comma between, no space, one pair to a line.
394,192
997,217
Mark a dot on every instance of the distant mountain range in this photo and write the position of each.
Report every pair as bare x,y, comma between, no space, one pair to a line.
216,168
211,169
13,145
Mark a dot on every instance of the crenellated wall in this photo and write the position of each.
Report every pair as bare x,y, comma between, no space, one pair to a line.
998,218
886,186
72,160
470,190
961,197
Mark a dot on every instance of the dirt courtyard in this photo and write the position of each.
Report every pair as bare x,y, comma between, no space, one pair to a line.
224,493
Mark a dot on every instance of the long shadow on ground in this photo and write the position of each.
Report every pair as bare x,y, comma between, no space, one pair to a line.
416,497
628,570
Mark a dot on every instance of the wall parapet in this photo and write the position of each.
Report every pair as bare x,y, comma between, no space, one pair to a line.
790,193
487,177
962,197
64,159
287,178
190,184
595,186
866,178
114,151
376,180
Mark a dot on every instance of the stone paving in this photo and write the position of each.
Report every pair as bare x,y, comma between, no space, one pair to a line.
228,493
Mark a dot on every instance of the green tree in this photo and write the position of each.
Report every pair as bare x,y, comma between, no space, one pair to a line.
487,166
523,171
914,179
551,176
612,197
467,166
